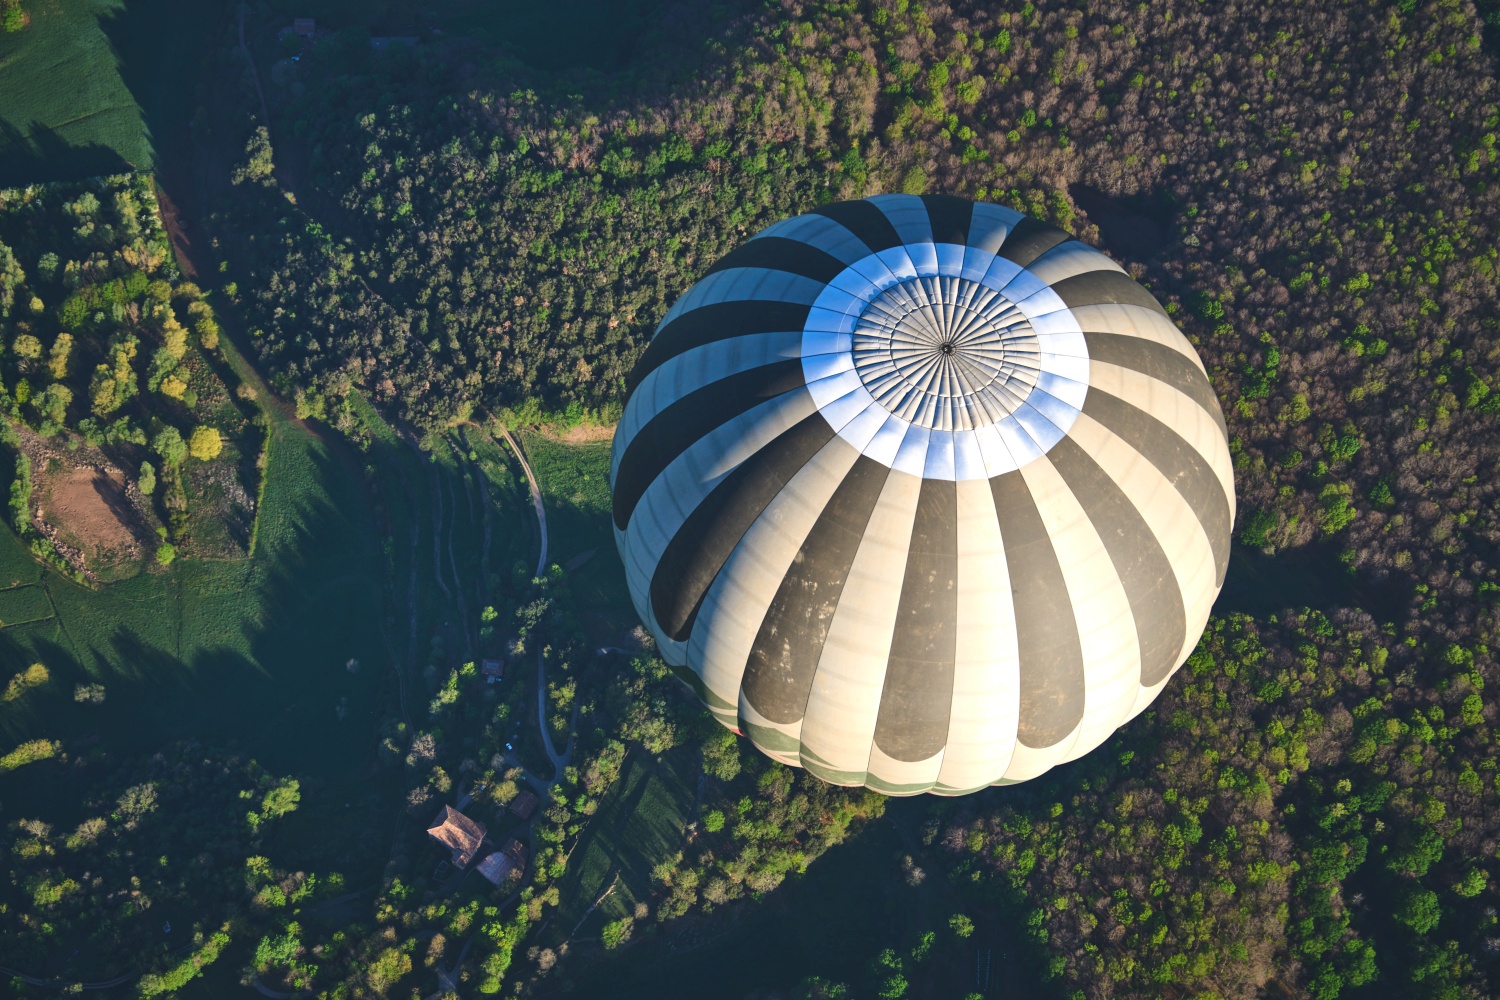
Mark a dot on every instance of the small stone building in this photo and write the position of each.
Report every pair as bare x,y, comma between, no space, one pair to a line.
457,832
496,867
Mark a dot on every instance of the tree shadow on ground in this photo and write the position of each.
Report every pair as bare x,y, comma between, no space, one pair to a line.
160,48
1261,585
42,154
252,654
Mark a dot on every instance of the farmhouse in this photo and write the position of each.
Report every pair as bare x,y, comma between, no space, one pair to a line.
457,832
493,671
524,804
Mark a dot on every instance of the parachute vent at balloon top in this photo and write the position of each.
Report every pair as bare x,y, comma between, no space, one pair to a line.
926,494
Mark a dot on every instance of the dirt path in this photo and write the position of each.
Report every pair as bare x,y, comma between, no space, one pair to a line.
265,113
536,496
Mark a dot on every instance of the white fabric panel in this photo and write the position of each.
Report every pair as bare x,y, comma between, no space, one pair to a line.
908,214
1069,259
684,483
950,259
821,232
986,670
696,368
839,726
1171,520
990,225
1106,625
921,773
1029,762
1175,409
743,284
736,604
1136,321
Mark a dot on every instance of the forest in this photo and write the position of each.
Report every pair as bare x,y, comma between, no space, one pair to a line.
427,241
1309,188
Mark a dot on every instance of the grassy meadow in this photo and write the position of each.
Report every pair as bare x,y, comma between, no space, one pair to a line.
91,86
575,487
639,825
273,656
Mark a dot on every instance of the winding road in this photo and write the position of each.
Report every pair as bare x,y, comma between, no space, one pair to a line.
536,496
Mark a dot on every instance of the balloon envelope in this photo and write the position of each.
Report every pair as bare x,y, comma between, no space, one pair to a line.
925,494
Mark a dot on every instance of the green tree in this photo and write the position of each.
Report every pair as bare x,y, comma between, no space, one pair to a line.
205,444
169,445
721,754
617,932
57,361
1419,910
26,347
258,164
282,799
12,18
147,481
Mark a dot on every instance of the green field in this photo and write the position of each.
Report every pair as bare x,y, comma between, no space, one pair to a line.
93,85
639,825
253,654
575,487
23,605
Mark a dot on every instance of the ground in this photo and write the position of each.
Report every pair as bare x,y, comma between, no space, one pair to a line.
88,508
89,505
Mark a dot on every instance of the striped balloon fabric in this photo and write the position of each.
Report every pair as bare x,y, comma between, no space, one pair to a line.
925,494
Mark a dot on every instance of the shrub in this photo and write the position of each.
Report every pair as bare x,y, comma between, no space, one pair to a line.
169,445
617,932
33,676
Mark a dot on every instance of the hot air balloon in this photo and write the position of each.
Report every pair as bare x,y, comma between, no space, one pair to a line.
923,494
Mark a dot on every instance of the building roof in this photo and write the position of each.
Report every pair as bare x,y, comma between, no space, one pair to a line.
516,851
524,804
305,26
458,833
496,867
492,668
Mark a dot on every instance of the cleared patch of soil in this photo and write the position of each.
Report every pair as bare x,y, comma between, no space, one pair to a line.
94,516
85,503
582,434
